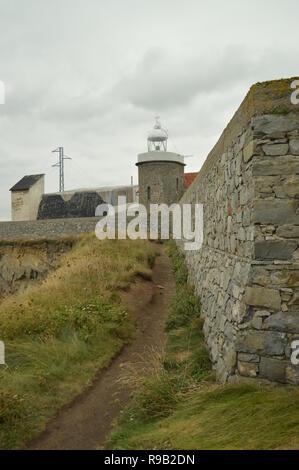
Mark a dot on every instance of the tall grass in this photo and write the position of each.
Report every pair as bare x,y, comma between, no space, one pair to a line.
179,405
183,365
185,306
60,332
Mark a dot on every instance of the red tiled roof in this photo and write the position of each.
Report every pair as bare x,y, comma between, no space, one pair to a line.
189,178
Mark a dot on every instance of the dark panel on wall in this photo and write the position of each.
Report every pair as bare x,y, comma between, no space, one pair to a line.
83,204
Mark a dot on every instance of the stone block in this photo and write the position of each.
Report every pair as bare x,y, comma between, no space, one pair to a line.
283,321
275,211
241,235
272,249
257,322
274,124
273,369
270,343
244,357
230,357
229,224
221,371
229,331
249,151
275,149
288,231
289,187
241,272
238,312
248,369
262,314
263,297
294,146
243,196
286,278
237,291
292,374
287,165
261,276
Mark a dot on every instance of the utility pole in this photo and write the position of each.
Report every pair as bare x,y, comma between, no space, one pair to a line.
132,187
60,165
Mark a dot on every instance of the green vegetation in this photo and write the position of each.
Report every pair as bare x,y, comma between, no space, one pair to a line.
185,306
179,406
279,110
60,332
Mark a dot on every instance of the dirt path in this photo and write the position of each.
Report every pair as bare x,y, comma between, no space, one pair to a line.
86,422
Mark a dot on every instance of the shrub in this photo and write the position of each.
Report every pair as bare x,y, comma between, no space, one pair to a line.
185,307
157,398
178,263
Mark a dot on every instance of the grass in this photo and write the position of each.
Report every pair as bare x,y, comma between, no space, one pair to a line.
60,332
58,242
220,417
179,405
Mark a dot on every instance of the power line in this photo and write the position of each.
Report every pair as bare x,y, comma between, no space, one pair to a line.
60,165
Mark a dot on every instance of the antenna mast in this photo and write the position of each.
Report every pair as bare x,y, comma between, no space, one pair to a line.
60,165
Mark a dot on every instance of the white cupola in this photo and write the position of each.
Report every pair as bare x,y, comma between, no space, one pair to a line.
157,138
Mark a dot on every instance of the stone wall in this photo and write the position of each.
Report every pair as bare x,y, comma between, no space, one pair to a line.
164,181
247,272
54,228
22,264
273,294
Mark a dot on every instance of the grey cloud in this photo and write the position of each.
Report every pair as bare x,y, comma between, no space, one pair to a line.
163,80
90,75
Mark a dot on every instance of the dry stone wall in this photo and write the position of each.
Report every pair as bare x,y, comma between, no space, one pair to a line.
164,180
52,228
247,272
272,298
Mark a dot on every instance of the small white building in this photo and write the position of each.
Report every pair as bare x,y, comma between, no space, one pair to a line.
28,201
26,196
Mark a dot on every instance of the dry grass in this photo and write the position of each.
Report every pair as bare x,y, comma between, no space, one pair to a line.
92,269
60,332
220,417
67,239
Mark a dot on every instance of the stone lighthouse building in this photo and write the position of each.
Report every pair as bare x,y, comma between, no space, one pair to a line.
160,173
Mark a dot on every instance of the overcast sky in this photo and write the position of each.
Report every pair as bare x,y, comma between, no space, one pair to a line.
90,75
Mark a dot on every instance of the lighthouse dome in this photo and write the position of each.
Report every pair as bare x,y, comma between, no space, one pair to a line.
157,134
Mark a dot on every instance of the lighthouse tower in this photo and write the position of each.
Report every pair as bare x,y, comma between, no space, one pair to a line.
160,173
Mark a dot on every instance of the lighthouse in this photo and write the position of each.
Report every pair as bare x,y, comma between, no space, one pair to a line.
160,172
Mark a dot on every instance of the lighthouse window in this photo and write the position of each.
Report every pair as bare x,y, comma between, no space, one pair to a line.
149,193
177,184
